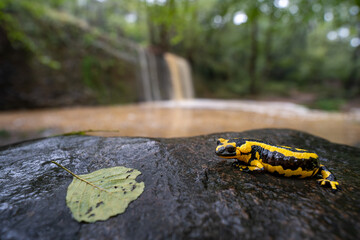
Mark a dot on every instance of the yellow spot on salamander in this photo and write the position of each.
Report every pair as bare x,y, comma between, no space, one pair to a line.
245,148
254,153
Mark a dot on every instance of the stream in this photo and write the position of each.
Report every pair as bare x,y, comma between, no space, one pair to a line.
179,119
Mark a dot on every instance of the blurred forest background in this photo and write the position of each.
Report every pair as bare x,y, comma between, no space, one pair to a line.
66,52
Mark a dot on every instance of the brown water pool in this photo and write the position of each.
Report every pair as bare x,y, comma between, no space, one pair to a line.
179,119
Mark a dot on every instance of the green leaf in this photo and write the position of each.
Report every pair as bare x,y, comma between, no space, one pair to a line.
103,193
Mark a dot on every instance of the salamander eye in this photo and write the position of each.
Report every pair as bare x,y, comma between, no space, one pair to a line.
230,148
218,142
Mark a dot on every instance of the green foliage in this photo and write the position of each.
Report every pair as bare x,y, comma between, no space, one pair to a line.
276,88
275,49
329,104
102,194
63,51
4,133
89,72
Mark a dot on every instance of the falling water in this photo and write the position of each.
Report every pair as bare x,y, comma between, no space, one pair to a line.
185,77
180,74
145,76
161,81
161,77
154,76
177,90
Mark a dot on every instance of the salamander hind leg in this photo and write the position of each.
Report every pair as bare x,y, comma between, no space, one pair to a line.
328,179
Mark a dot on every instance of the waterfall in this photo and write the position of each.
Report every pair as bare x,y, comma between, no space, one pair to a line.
144,75
160,76
171,60
154,77
164,77
180,74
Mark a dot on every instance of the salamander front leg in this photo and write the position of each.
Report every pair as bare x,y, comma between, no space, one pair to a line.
255,166
328,179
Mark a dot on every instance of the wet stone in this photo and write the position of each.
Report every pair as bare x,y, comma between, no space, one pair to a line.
189,191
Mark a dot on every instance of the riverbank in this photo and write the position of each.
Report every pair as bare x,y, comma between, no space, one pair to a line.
180,119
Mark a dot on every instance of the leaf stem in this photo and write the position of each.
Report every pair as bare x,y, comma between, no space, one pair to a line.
78,177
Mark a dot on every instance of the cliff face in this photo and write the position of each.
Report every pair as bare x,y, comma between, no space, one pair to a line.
62,68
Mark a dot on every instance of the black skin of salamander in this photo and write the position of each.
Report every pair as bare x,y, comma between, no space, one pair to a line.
278,159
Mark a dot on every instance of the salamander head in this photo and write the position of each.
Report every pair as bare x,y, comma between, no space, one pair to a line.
227,148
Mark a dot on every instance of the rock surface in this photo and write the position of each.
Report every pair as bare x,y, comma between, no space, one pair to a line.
190,193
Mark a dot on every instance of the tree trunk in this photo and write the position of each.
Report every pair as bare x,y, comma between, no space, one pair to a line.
253,56
352,82
268,48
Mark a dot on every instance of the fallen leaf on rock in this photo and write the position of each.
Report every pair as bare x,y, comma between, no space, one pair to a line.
102,193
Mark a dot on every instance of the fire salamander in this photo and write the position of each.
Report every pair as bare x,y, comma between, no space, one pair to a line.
258,156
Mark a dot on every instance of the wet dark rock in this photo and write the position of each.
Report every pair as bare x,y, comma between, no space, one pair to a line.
190,193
